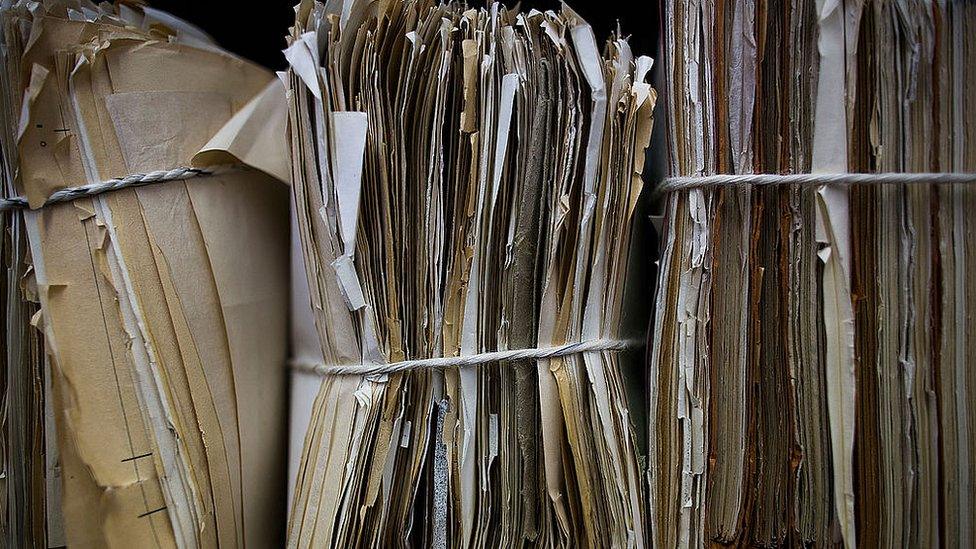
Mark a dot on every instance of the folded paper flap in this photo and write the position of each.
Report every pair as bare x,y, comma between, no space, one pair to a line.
254,136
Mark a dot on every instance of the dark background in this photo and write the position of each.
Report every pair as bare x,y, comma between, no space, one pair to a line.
258,33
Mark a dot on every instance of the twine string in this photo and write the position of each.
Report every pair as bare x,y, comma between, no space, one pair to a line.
683,183
133,180
469,360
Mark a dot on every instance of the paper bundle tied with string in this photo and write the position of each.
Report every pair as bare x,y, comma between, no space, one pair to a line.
464,183
163,307
811,380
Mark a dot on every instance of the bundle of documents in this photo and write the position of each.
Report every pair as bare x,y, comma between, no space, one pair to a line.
812,374
153,414
464,182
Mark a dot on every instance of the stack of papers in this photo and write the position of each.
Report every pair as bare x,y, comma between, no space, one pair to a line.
811,374
153,416
465,181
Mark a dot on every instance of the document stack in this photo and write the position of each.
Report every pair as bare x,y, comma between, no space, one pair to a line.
458,278
151,414
464,183
811,380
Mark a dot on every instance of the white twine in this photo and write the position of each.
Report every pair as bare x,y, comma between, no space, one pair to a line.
133,180
682,183
470,360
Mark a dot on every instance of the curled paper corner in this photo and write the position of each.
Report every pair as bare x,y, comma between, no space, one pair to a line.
37,320
254,136
303,57
643,66
37,78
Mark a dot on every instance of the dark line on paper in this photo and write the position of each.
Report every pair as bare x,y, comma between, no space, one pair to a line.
147,513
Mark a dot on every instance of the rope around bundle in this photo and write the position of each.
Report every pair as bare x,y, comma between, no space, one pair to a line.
683,183
133,180
470,360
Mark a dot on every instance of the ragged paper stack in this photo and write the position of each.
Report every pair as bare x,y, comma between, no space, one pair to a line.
153,415
464,182
812,376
